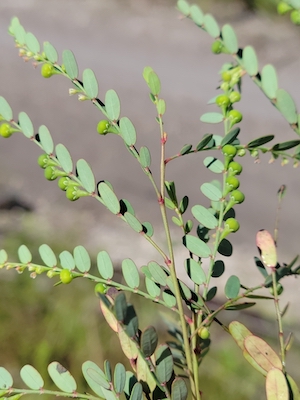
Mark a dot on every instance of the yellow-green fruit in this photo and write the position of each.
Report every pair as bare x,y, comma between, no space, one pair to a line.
295,17
235,116
47,70
226,76
6,130
100,288
222,100
234,97
43,160
235,168
241,152
71,193
237,196
279,288
102,127
203,333
232,225
283,8
232,182
229,150
216,47
66,276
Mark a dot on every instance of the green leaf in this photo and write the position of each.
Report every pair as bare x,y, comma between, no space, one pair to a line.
6,380
32,42
214,165
169,298
186,149
250,60
133,222
211,191
225,248
128,345
164,363
121,307
196,246
261,353
66,260
31,377
239,333
153,83
269,81
104,264
196,15
62,377
293,387
152,288
126,206
230,39
186,293
3,257
211,293
179,389
161,106
82,259
90,83
184,7
148,229
231,136
260,141
218,269
107,370
112,105
211,26
20,34
183,205
70,63
47,255
241,306
205,140
286,106
204,216
195,271
86,176
46,139
157,273
130,273
26,125
285,145
267,248
145,157
212,118
276,385
24,254
149,340
64,158
5,109
95,377
119,378
128,131
110,199
50,52
137,392
232,287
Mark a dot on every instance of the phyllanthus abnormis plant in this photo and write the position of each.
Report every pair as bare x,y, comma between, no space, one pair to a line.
163,370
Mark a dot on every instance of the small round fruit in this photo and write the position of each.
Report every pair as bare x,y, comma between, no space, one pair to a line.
43,160
295,17
241,152
71,193
226,76
65,276
222,100
232,182
100,288
235,168
102,127
229,150
49,173
216,47
204,333
63,183
235,116
232,225
47,70
234,97
237,196
6,130
283,8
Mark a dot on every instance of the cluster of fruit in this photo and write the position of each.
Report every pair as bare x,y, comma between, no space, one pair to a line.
283,8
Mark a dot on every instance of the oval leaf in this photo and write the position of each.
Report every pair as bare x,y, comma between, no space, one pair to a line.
110,199
130,273
90,83
179,390
211,191
269,81
5,109
137,392
82,259
26,125
149,340
66,260
47,255
205,140
6,380
119,378
267,248
145,157
62,377
250,60
133,222
196,15
164,363
112,105
32,42
157,273
286,106
205,217
64,158
195,271
50,52
24,254
276,385
196,246
232,287
128,131
86,176
152,288
211,26
104,264
260,141
46,139
31,377
95,377
239,333
262,353
212,118
230,39
214,165
70,63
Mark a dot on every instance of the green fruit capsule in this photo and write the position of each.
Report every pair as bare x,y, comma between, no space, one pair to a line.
100,288
283,8
241,152
49,173
103,126
222,100
47,70
63,183
237,196
43,160
66,276
235,116
232,182
235,168
6,130
226,76
216,47
232,225
203,333
71,193
229,150
234,97
295,17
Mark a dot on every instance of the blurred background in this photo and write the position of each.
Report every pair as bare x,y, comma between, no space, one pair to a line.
117,39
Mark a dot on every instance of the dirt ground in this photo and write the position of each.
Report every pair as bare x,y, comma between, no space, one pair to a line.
117,40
